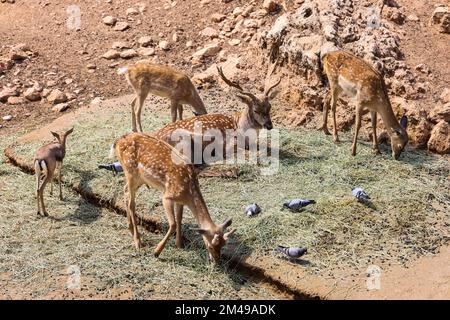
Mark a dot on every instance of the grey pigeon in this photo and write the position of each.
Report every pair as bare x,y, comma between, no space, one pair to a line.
252,209
114,167
297,204
292,252
360,194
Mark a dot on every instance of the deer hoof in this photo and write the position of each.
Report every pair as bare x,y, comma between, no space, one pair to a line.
156,254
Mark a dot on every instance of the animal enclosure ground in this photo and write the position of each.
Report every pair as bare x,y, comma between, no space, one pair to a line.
410,216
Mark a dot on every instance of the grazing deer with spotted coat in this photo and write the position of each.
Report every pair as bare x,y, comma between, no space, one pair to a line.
146,77
152,162
353,76
46,160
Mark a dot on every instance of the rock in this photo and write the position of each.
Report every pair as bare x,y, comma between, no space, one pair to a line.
51,83
217,17
189,44
145,41
422,68
91,66
17,55
438,14
121,26
164,45
419,133
445,24
445,95
208,51
270,5
238,11
120,45
146,52
210,33
60,107
132,12
412,17
440,138
111,54
8,92
56,96
396,15
32,94
7,117
234,42
440,112
16,100
251,24
96,101
175,37
128,54
109,20
6,64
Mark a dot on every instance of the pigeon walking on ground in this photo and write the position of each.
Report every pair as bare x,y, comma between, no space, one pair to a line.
252,210
297,204
292,252
114,167
360,194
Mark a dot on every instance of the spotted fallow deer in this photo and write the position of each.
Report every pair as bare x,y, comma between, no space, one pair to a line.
146,77
255,116
152,162
355,78
47,158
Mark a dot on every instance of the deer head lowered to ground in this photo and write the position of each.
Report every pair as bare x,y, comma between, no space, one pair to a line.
146,77
152,162
353,76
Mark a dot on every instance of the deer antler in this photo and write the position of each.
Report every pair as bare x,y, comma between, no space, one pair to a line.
235,85
270,70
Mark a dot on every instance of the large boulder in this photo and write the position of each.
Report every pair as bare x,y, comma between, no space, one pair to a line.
440,138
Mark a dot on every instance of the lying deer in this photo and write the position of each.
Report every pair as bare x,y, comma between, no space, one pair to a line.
353,76
256,116
146,77
47,158
152,162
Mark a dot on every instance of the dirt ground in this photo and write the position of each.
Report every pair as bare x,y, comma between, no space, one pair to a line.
63,54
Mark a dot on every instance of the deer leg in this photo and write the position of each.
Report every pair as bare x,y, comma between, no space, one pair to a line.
173,110
140,100
357,127
60,180
169,207
334,97
38,196
41,195
326,105
376,148
131,212
130,223
180,112
179,216
133,114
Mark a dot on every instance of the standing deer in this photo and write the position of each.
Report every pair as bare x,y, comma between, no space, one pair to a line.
353,76
255,116
47,158
146,77
147,160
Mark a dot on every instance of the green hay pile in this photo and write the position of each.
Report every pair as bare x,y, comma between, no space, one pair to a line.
410,216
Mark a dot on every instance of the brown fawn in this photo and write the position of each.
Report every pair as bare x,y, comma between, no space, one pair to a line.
355,78
47,158
255,116
146,77
152,162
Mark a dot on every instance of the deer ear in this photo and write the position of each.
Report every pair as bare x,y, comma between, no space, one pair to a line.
199,230
226,223
228,234
55,135
404,122
245,100
69,131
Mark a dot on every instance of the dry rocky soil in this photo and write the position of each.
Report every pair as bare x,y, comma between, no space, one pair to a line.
59,57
